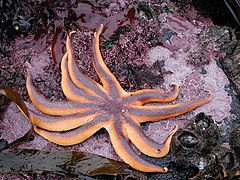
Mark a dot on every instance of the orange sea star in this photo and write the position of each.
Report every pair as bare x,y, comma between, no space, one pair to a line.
92,106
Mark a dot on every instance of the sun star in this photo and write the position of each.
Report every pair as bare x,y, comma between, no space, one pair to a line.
92,106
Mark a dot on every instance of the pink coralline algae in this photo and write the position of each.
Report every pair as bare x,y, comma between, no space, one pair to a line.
196,77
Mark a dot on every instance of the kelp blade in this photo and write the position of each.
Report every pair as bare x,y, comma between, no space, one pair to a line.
11,94
67,162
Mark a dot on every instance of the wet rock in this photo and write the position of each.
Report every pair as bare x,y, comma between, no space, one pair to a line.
198,137
218,12
178,170
231,66
3,144
212,158
235,140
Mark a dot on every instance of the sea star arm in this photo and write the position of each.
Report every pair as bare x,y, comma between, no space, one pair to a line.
155,113
70,90
146,145
62,123
77,135
59,108
144,96
108,80
124,151
79,79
